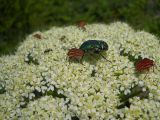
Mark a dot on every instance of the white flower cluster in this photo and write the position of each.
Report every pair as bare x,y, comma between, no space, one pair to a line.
39,82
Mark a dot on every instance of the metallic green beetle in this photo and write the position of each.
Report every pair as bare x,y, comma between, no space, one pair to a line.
95,46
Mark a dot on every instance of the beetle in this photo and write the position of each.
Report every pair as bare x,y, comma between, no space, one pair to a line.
94,46
37,35
144,65
76,54
82,24
62,38
48,50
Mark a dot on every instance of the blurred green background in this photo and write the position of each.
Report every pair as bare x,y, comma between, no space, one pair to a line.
18,18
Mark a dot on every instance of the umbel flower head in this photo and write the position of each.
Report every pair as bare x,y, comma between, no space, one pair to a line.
39,82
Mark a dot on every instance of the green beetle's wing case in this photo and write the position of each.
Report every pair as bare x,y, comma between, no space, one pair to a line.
89,45
94,46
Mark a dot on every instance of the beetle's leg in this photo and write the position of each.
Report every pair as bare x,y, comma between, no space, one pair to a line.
105,58
156,66
91,54
80,60
83,28
69,60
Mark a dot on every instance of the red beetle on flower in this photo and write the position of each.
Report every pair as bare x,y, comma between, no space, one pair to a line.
144,65
76,54
82,24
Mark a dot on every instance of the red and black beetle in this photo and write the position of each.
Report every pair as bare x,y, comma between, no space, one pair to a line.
144,65
82,25
76,54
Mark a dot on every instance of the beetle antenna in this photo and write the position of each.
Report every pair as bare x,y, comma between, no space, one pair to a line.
105,58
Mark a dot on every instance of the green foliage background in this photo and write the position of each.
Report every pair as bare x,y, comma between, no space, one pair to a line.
21,17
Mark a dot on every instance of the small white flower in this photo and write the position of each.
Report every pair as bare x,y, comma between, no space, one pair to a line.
143,89
122,88
51,88
31,95
141,83
38,89
127,91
